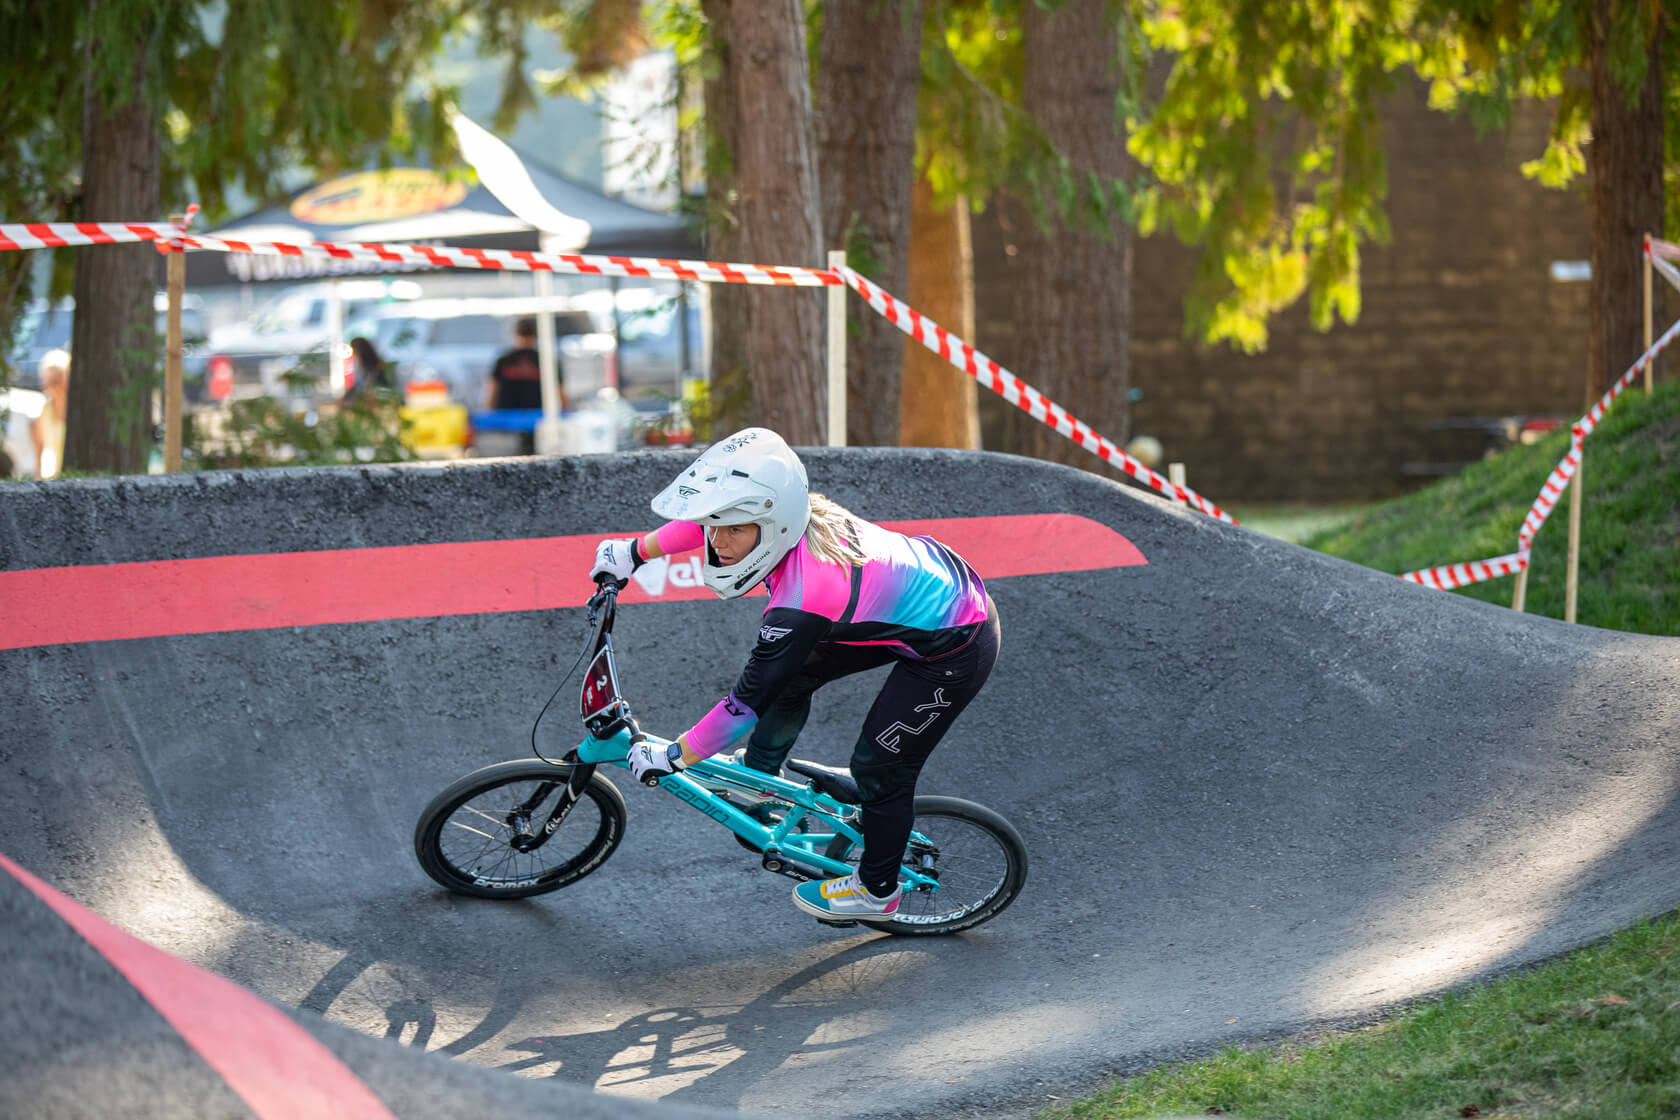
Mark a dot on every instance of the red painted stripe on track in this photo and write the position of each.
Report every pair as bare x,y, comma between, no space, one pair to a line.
279,1069
146,599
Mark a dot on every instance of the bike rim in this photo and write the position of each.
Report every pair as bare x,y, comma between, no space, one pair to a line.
476,840
973,870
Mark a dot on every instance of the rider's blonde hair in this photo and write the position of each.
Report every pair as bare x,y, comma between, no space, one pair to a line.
832,533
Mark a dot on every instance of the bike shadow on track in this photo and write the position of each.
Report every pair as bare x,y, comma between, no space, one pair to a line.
831,1010
837,1008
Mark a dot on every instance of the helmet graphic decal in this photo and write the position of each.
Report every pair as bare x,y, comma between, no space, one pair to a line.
751,478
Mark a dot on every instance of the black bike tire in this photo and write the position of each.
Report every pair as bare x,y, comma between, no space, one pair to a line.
1015,861
428,829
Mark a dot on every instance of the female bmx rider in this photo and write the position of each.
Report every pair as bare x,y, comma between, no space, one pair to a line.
845,596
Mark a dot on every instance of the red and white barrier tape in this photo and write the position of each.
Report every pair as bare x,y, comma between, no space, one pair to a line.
446,256
1017,392
1459,575
1660,253
56,235
1558,481
1556,485
53,234
948,346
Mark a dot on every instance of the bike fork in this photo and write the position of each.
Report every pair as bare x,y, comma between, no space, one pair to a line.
575,783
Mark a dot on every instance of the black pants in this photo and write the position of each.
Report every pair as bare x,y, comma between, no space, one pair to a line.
910,715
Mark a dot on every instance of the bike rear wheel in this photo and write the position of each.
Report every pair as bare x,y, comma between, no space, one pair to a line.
494,832
975,854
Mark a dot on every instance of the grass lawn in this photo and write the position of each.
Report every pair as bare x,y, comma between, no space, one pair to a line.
1296,523
1630,526
1594,1035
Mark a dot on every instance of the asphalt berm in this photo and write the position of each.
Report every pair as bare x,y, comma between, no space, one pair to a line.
1265,791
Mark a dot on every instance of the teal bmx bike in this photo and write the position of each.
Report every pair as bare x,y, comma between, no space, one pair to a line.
530,826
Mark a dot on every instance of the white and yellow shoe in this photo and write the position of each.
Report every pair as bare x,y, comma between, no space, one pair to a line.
844,899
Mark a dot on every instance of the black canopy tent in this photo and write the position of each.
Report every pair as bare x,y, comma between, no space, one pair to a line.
413,203
498,199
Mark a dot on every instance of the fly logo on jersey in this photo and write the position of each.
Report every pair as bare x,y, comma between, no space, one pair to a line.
773,633
889,736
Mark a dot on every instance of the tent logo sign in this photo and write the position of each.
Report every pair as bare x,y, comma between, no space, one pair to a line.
377,196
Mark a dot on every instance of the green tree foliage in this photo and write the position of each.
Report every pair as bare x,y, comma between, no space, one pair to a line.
974,138
239,93
1264,146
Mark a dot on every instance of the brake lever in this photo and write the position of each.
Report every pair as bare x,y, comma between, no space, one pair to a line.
607,588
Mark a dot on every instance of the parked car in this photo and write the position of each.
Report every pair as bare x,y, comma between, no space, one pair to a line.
281,349
457,341
651,358
46,325
652,362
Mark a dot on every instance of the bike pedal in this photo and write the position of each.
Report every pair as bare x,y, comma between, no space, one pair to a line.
837,924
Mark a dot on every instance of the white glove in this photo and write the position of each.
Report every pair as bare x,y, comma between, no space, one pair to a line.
616,558
650,762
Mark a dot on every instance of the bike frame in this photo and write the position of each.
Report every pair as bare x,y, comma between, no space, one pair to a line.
614,730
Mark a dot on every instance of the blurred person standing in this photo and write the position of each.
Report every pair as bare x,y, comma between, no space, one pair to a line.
371,370
48,429
516,378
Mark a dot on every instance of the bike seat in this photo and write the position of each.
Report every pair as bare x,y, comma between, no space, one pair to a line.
837,783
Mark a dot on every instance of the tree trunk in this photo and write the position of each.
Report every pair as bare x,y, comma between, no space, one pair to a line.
939,404
1075,302
1625,184
114,349
868,74
730,393
774,154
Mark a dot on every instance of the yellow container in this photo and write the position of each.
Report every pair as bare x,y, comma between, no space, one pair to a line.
434,429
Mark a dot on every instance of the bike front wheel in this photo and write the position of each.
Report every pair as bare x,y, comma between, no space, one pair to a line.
975,855
505,832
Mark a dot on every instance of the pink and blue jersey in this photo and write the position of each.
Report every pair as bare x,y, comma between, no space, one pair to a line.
912,594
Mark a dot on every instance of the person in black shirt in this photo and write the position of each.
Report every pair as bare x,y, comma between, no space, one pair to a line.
516,378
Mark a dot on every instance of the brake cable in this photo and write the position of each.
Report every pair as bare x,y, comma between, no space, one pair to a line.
587,641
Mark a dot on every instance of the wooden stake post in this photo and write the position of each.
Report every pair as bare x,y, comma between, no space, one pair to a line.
172,357
837,354
1576,490
1649,268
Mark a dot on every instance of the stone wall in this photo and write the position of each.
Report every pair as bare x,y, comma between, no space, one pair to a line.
1460,319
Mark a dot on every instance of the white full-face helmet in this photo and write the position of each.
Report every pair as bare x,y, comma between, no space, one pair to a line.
751,478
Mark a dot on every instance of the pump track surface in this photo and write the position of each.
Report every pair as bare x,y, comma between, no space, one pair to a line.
1264,791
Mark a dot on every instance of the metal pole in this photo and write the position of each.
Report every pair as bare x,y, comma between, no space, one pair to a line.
686,364
172,356
1175,475
613,372
1522,591
837,354
335,339
546,439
